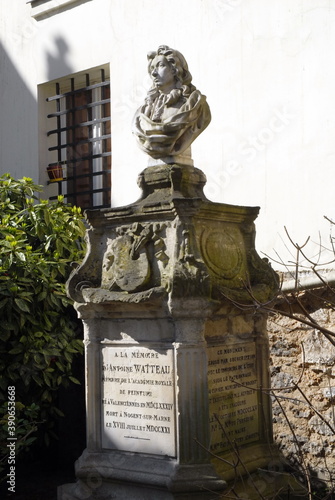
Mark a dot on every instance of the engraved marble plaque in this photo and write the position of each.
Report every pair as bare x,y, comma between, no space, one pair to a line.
138,400
232,380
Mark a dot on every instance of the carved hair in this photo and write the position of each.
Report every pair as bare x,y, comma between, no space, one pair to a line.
179,67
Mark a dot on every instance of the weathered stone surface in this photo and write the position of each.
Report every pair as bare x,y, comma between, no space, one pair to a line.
323,425
173,239
302,355
318,350
174,366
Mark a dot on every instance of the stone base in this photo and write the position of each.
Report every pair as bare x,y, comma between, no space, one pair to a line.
266,485
269,487
128,492
248,460
183,159
259,473
125,475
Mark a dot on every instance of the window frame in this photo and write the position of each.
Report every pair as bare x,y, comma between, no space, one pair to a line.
78,137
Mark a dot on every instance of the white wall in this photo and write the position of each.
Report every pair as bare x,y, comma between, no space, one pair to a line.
266,67
18,111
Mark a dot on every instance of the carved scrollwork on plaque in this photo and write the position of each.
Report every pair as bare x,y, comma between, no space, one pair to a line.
262,272
159,244
190,275
221,253
127,262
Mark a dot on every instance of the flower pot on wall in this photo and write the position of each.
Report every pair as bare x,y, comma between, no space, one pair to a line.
55,172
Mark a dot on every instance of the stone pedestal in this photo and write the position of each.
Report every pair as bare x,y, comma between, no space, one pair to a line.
175,358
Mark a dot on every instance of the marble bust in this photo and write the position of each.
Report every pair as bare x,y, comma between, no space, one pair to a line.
174,112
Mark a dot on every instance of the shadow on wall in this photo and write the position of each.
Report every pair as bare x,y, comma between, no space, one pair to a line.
19,156
18,125
19,141
57,61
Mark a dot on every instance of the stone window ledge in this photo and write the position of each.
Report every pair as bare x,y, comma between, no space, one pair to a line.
45,8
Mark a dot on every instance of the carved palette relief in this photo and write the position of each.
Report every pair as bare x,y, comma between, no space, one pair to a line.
135,257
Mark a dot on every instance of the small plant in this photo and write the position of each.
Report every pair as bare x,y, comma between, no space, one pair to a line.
39,338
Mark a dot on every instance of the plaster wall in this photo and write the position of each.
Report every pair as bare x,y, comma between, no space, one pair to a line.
265,66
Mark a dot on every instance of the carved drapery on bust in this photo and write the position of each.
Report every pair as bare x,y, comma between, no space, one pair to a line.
174,112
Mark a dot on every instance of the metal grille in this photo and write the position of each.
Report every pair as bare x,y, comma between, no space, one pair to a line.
82,142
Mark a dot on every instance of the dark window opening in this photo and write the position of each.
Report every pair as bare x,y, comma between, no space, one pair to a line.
82,138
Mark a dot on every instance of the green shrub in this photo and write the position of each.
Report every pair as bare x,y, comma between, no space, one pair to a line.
26,424
39,241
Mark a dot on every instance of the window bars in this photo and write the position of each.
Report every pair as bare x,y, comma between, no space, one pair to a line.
82,132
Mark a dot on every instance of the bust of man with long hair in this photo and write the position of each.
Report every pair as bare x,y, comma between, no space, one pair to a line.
174,112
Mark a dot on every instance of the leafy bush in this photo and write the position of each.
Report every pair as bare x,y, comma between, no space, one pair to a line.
26,422
38,335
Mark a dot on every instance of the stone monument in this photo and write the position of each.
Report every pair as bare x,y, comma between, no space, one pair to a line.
175,364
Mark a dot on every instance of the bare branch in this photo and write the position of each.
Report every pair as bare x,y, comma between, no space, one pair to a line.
302,458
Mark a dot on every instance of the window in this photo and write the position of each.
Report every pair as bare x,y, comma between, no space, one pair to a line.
79,132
